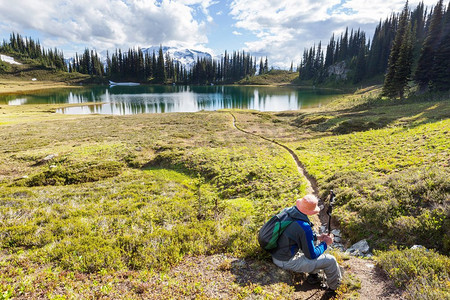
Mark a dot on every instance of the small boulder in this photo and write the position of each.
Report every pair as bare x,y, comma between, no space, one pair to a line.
359,249
339,246
336,232
45,159
415,247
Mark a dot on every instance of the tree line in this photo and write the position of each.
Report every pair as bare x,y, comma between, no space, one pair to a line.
27,48
420,51
139,65
411,46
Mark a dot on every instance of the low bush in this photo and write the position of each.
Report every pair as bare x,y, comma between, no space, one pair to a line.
73,174
424,273
405,208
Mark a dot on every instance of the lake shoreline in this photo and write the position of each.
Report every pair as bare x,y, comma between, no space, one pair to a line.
168,98
22,86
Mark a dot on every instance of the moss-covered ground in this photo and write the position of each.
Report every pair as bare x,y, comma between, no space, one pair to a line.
107,206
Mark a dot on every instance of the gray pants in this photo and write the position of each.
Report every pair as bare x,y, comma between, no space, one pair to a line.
300,263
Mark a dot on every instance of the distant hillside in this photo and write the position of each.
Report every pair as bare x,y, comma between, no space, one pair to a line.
273,77
14,68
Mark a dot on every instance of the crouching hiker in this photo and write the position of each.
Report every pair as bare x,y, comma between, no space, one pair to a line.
295,249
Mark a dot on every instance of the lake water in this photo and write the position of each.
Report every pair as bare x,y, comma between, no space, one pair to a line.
124,100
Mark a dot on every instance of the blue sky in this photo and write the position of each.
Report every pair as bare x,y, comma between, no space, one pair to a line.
278,29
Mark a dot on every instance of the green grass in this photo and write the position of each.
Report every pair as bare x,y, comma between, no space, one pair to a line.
126,198
130,194
386,160
273,77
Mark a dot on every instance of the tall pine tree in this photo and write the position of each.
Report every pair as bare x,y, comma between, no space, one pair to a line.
424,73
399,65
441,68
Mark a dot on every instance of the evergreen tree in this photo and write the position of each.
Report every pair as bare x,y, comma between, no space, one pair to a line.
160,74
400,59
360,71
441,68
261,67
424,73
330,52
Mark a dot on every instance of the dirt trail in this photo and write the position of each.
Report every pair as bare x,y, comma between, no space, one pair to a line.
374,283
311,187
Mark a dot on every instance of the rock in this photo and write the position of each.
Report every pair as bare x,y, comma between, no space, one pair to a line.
418,247
45,159
139,149
322,229
336,232
337,239
359,249
354,252
338,246
339,70
52,166
49,157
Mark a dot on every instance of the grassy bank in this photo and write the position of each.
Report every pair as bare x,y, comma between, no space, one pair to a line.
388,162
273,77
23,86
138,193
107,206
18,78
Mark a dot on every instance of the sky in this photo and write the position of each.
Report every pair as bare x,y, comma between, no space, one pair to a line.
278,29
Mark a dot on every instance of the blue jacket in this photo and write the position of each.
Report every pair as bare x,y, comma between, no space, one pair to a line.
298,236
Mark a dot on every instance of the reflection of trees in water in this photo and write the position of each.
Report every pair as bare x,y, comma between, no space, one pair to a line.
60,96
159,98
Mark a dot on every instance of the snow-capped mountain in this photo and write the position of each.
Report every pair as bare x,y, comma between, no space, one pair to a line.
186,57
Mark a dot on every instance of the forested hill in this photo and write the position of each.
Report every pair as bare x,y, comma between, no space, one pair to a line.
413,45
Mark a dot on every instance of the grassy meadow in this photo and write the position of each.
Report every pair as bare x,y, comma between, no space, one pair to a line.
109,206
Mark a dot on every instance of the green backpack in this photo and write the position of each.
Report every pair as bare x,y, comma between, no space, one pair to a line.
271,231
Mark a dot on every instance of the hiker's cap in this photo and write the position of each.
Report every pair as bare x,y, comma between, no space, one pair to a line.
308,205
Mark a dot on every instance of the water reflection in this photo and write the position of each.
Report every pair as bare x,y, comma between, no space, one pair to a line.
122,100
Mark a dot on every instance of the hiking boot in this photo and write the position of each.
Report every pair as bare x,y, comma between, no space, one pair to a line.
313,279
330,293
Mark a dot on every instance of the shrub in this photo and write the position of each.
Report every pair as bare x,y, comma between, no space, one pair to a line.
404,208
424,273
85,254
73,174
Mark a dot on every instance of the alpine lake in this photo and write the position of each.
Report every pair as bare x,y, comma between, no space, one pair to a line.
125,100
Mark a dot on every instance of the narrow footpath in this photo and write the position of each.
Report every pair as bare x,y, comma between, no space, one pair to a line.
374,283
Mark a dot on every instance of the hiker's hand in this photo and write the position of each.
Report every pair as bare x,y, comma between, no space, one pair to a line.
322,236
326,238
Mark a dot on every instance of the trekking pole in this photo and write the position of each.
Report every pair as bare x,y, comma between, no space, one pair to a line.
330,209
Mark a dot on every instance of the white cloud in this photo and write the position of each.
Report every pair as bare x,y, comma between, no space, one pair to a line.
110,23
285,28
236,33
